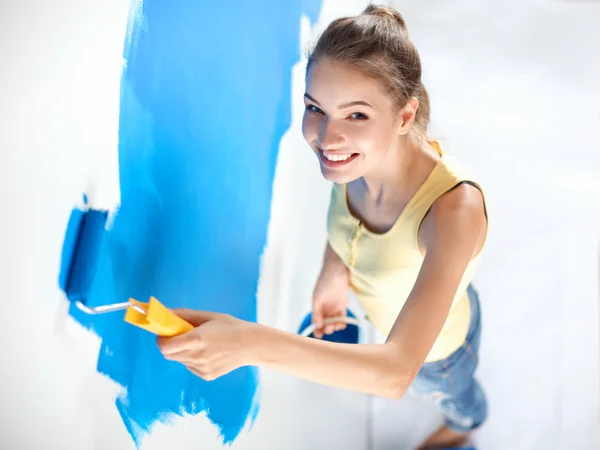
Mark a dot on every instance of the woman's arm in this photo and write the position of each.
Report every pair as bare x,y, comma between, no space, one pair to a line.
372,369
451,234
331,261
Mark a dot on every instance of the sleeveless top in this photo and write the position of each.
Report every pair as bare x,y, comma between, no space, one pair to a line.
384,266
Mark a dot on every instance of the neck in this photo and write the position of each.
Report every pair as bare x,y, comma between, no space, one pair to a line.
393,174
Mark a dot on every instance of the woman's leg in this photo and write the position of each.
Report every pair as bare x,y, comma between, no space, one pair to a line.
452,385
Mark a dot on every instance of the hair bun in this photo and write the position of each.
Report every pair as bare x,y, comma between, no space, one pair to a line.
387,12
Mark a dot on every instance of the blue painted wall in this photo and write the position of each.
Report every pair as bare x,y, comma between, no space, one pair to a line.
205,100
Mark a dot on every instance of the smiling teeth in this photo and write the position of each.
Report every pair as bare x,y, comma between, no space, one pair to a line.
337,156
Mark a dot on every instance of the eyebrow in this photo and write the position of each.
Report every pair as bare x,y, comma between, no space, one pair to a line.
343,105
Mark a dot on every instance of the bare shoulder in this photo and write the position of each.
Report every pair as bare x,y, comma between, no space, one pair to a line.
459,215
463,199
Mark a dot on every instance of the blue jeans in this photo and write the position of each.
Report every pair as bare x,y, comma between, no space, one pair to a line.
451,383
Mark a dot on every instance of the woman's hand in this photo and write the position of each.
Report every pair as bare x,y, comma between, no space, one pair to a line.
216,346
330,297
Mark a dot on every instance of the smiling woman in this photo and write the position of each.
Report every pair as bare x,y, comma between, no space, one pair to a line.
406,226
341,125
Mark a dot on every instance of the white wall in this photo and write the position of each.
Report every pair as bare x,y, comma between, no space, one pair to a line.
515,93
60,95
515,90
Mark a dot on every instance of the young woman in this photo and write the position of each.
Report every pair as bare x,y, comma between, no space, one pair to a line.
406,226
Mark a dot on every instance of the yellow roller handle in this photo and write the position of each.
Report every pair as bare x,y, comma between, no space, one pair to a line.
158,319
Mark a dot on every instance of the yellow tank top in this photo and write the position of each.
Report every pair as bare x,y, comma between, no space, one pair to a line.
384,266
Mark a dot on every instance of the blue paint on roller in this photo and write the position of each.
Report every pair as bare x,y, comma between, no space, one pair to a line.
349,335
70,246
205,100
80,253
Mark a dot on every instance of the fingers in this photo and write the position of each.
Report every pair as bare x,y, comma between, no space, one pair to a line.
169,346
206,375
332,326
317,320
326,326
195,317
194,371
172,345
183,357
339,326
329,328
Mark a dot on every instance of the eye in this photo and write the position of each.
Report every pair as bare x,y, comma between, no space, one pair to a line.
313,108
358,116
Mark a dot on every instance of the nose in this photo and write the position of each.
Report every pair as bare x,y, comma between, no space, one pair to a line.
330,137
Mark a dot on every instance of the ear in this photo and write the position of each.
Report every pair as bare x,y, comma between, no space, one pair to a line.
407,115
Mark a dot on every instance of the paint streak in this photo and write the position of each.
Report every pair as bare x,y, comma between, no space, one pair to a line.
205,100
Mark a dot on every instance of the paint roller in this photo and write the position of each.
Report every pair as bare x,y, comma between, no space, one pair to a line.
83,240
84,235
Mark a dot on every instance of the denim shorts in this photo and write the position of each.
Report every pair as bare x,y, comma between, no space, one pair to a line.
450,382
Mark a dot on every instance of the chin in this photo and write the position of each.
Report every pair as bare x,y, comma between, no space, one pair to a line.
335,176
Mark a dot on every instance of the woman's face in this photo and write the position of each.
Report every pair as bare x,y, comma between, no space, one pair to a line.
349,121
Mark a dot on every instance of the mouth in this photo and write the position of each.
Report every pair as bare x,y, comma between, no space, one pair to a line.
336,159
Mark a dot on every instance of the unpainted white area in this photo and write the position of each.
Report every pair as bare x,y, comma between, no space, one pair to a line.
515,92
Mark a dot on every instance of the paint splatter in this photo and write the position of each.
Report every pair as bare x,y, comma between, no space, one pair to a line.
205,100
